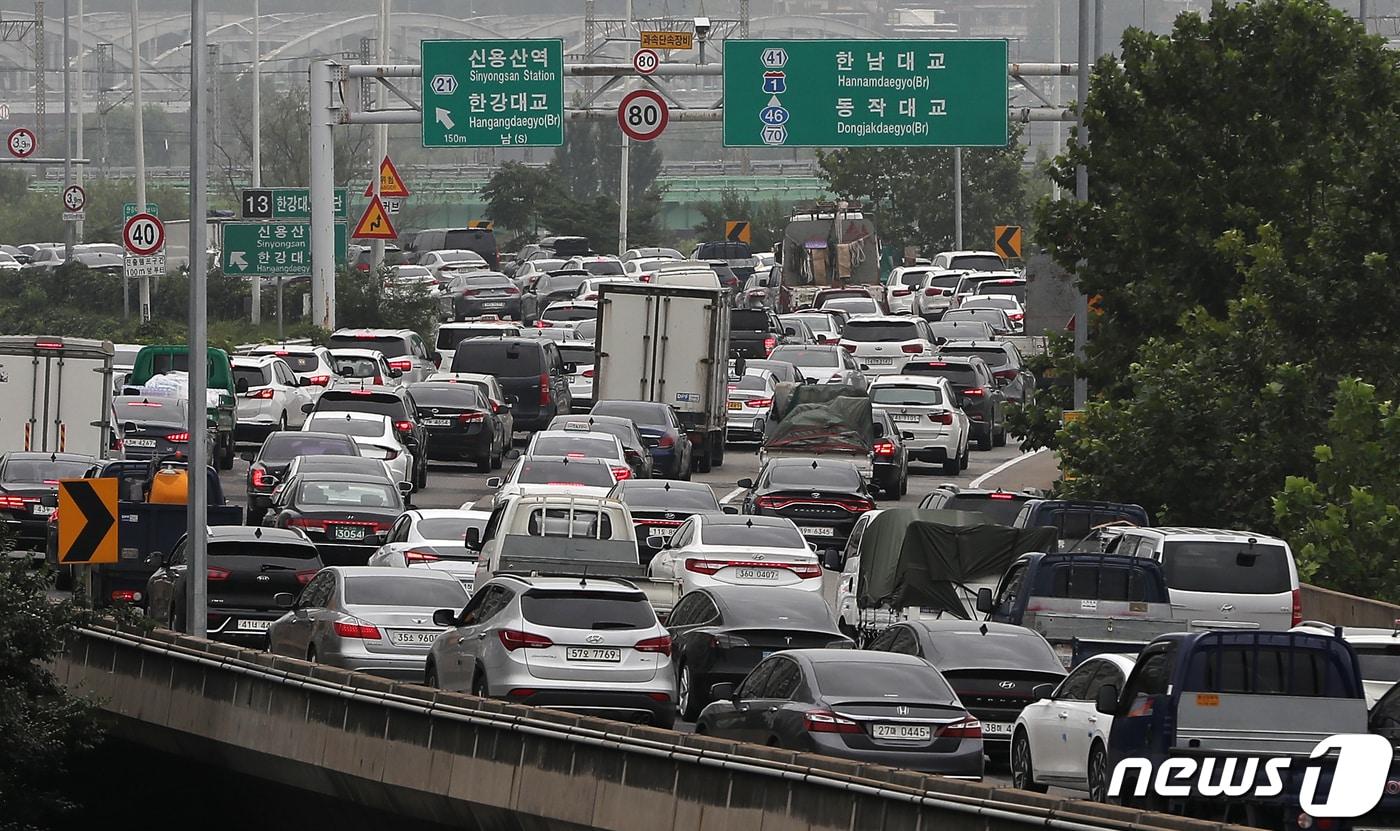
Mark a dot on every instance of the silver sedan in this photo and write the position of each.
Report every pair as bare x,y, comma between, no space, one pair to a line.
376,620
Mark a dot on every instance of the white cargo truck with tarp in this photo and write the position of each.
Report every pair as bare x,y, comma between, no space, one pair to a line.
56,395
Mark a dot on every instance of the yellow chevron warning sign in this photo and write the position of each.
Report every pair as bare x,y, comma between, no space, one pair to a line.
374,223
738,230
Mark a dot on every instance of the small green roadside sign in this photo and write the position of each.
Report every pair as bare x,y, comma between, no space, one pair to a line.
129,210
493,93
273,249
865,93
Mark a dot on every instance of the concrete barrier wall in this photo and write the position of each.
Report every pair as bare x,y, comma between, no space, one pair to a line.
1347,609
452,758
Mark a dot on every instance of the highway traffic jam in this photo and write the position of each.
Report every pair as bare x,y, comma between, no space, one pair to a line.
696,493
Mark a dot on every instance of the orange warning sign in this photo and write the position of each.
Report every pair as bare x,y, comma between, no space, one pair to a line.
374,223
390,182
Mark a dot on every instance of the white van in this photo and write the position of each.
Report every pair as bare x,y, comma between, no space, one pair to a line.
1221,579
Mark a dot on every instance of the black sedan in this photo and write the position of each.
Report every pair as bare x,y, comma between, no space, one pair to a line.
555,285
634,447
461,423
720,633
247,567
345,514
29,492
823,497
661,429
155,427
993,667
659,506
269,467
891,457
878,708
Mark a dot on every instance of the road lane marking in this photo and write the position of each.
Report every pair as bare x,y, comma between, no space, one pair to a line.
1006,465
729,496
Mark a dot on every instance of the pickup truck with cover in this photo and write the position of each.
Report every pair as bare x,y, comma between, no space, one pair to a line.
564,535
1084,603
827,420
223,389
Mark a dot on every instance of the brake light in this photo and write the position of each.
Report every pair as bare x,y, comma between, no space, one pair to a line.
1001,495
497,407
413,555
401,366
884,448
587,373
620,473
769,343
974,392
304,522
666,440
513,639
968,728
661,645
900,292
178,438
361,392
364,631
468,292
760,402
259,477
771,502
933,292
575,455
217,574
1005,373
704,566
403,426
264,393
1297,606
320,380
16,502
470,417
544,389
543,324
48,344
512,290
850,347
304,576
825,721
126,596
1015,315
911,349
941,418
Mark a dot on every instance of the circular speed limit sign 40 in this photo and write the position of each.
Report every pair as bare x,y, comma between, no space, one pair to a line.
642,115
143,234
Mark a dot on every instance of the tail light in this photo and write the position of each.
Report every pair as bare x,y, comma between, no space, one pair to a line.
364,631
544,324
704,566
849,347
1297,606
974,392
178,438
304,576
770,502
825,721
858,506
761,403
911,349
884,448
512,290
401,366
1015,315
804,570
587,373
1005,373
265,393
727,641
468,292
513,639
320,380
304,522
467,418
544,389
661,645
645,277
378,379
259,477
497,407
126,596
968,728
900,293
941,418
933,292
769,343
403,426
217,574
620,473
413,555
390,455
666,440
17,503
659,696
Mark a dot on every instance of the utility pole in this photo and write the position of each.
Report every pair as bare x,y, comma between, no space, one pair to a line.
68,229
381,131
957,199
1366,16
257,145
622,198
82,110
197,616
41,83
1081,192
321,138
139,139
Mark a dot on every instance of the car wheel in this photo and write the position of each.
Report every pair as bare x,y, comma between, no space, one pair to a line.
1022,772
420,481
430,677
1098,774
282,422
311,654
966,457
226,459
483,464
690,699
480,688
717,460
904,481
701,463
1000,439
952,466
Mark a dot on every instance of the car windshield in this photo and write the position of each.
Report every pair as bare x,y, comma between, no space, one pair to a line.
554,284
911,278
504,359
996,649
748,320
477,282
959,375
995,318
1011,288
169,410
598,611
586,329
1226,567
1379,662
443,528
335,423
1000,511
392,346
300,361
284,446
639,411
412,271
880,331
882,681
977,262
261,549
48,471
908,396
449,337
990,303
757,536
806,476
577,354
567,313
803,356
947,281
993,355
662,498
961,330
254,376
448,395
354,366
347,494
817,323
575,447
404,591
752,383
603,267
558,472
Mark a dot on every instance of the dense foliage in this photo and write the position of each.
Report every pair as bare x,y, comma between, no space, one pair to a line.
766,219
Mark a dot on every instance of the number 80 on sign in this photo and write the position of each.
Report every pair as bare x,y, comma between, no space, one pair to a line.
643,115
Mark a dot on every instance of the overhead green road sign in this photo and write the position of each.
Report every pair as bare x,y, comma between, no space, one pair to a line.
493,93
865,93
273,249
284,203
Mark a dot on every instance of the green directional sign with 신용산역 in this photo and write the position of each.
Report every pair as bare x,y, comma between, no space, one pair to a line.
493,93
273,249
865,93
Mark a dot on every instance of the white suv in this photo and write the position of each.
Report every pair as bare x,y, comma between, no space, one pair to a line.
885,343
273,399
925,408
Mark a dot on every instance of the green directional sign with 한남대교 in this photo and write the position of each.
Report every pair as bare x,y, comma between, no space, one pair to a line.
273,249
493,93
865,93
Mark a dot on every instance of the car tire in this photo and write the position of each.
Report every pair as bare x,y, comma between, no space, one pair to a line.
717,460
952,466
282,422
701,463
483,464
1022,769
985,441
226,458
904,481
255,515
497,458
480,687
420,477
1000,438
1097,771
430,677
690,700
966,457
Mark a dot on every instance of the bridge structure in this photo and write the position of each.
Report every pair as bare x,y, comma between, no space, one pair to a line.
452,758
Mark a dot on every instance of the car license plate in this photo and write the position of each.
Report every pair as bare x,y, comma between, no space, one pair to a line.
996,728
139,442
818,532
352,533
501,305
906,732
414,638
592,653
660,531
758,573
437,422
876,361
253,625
905,419
736,405
42,510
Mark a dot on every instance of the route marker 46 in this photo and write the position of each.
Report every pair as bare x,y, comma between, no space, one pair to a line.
643,115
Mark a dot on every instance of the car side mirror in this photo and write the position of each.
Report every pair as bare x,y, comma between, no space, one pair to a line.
395,373
284,600
308,408
495,482
472,539
746,484
729,509
984,600
570,368
864,367
657,542
240,386
1106,701
270,481
906,435
1040,692
445,617
405,488
156,559
831,560
722,692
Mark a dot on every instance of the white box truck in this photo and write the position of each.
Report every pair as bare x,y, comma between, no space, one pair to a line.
56,395
668,344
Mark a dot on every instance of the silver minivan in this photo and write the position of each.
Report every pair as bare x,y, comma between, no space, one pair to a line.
1221,579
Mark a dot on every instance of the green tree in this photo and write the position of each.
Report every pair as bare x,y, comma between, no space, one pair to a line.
911,189
1344,520
590,161
515,194
766,219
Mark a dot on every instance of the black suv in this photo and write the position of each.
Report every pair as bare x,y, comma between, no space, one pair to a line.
395,402
550,287
1003,359
753,333
532,374
978,394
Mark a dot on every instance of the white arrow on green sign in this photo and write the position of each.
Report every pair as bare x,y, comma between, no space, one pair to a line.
274,249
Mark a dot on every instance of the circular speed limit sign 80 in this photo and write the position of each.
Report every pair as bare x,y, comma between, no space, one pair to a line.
643,115
646,61
143,234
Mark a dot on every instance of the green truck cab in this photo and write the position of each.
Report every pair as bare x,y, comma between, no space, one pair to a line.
223,417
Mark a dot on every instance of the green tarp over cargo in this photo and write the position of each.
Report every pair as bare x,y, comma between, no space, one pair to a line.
820,417
910,557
